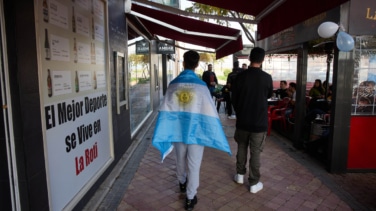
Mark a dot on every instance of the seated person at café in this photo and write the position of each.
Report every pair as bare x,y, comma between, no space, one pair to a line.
324,84
292,95
317,91
320,104
282,91
330,93
312,114
317,106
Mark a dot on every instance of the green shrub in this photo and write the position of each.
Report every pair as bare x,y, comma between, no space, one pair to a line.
226,72
143,80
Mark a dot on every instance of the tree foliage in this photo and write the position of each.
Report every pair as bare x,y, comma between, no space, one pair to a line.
210,10
135,59
207,57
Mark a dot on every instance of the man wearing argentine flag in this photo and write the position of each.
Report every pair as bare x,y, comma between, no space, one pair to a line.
188,121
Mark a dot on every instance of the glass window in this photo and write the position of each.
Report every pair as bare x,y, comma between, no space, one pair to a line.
281,67
363,96
316,70
284,67
139,83
173,3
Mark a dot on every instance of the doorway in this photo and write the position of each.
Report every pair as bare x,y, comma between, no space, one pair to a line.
9,192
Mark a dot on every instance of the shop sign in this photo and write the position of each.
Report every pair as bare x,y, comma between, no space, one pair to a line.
166,47
142,47
362,19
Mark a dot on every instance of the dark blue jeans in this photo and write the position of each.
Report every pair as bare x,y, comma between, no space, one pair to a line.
212,89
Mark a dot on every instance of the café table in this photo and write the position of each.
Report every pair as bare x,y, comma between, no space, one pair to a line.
273,101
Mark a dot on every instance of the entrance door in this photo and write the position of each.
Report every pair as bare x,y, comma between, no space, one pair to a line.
9,199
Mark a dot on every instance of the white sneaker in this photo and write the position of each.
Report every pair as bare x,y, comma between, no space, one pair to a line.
239,178
256,188
232,117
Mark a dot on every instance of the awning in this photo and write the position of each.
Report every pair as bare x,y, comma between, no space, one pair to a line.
153,22
274,16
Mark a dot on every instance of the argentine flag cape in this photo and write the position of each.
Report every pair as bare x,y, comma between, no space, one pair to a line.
188,115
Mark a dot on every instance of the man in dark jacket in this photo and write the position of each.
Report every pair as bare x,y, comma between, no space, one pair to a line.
231,80
210,79
250,96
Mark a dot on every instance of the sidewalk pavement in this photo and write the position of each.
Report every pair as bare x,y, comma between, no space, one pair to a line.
292,181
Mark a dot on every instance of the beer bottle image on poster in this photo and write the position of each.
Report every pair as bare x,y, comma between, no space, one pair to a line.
92,6
92,28
76,82
73,21
45,11
47,45
75,50
92,52
95,80
49,83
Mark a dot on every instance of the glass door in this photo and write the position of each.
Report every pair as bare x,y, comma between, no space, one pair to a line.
9,192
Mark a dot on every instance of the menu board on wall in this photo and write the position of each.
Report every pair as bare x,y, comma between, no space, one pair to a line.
73,57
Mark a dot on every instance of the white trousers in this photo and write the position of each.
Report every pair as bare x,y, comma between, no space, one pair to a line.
188,163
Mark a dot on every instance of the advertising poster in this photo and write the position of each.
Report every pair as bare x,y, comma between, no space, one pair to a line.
372,68
78,146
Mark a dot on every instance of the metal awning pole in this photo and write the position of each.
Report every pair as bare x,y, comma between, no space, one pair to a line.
329,57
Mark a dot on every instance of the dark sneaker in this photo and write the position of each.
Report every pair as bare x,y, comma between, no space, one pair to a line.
183,187
190,203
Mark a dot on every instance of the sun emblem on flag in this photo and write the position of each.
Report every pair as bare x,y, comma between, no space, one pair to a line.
185,96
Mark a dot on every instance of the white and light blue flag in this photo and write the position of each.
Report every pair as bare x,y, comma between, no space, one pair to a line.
188,115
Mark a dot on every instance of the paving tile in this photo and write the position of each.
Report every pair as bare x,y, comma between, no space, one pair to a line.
292,181
291,205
